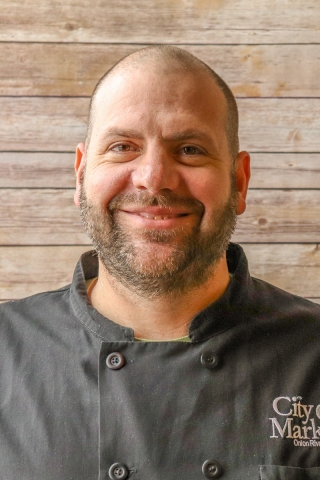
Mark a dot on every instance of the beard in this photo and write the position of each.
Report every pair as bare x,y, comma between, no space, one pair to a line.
160,262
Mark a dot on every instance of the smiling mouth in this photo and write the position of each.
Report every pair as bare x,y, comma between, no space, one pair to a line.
160,217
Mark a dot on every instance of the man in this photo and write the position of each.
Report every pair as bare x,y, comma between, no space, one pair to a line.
163,359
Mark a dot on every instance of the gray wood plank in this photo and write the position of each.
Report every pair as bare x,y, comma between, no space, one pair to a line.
295,268
29,270
280,216
195,21
49,217
285,170
36,170
58,124
55,170
74,69
35,217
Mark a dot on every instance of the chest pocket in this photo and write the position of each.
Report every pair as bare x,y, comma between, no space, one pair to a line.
276,472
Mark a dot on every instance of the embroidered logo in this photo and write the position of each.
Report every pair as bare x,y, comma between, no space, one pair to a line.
296,420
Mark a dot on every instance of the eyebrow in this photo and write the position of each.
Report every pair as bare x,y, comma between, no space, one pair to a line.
188,134
116,132
183,135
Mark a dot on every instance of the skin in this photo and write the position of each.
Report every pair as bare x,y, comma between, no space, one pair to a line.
158,130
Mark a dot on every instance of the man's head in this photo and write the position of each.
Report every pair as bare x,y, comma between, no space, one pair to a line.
160,180
173,57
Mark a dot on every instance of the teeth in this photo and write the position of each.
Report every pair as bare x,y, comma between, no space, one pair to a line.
154,217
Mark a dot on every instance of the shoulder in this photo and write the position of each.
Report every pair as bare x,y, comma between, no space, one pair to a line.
286,318
34,310
285,303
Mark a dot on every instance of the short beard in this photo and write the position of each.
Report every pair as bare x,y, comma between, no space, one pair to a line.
191,261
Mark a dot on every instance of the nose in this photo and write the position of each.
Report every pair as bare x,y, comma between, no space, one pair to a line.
155,171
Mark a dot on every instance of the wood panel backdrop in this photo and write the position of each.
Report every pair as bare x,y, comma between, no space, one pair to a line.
53,53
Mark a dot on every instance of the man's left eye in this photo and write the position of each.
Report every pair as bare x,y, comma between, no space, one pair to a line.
123,147
190,150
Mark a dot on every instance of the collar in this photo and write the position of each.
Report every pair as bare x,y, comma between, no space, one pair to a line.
221,315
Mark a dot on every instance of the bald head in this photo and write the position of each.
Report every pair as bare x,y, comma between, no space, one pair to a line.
168,59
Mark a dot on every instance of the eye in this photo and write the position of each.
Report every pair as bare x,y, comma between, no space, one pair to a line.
191,150
122,148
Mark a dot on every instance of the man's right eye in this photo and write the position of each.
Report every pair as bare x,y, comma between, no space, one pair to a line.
122,147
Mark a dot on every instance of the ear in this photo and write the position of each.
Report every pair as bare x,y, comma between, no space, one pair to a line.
78,167
242,168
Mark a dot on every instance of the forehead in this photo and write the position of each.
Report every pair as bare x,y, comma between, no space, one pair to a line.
159,96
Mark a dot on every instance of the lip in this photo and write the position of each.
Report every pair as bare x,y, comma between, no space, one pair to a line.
157,217
157,213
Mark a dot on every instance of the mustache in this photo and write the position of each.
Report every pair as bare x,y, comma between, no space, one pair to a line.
165,200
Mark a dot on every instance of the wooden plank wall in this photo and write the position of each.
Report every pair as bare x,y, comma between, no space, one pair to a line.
53,53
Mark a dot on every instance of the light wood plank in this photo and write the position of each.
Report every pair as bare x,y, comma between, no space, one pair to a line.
285,170
49,217
33,217
55,170
29,270
280,216
74,69
180,21
45,124
58,124
279,125
36,170
292,267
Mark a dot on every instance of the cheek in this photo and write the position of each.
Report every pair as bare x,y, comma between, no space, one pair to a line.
211,191
102,185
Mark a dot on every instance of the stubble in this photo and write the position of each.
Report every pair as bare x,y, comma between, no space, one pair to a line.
139,265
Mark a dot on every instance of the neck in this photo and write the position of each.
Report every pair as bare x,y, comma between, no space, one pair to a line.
159,318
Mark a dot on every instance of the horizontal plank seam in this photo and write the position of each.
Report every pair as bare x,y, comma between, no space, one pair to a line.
161,43
251,189
316,244
68,189
89,96
260,152
60,188
63,152
58,245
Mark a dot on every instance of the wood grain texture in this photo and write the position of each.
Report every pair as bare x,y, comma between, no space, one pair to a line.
55,170
280,216
58,124
36,217
37,170
169,21
45,124
29,270
293,267
285,170
279,125
48,217
74,69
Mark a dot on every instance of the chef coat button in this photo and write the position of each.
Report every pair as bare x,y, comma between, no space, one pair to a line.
115,361
118,471
209,360
211,469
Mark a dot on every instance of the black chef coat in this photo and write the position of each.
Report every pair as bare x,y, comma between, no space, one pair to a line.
81,400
